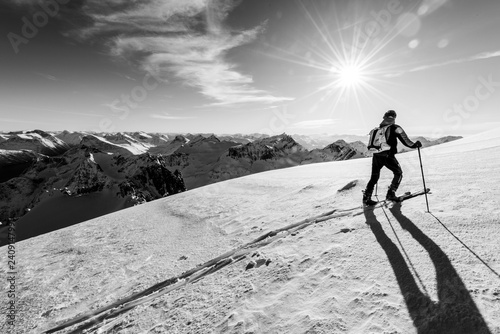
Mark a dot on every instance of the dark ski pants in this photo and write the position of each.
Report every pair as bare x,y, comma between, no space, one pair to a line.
388,160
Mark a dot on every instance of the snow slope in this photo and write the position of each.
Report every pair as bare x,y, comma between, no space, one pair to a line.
121,143
37,141
386,270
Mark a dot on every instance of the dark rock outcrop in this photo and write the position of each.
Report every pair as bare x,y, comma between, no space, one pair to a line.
275,147
149,178
87,178
87,171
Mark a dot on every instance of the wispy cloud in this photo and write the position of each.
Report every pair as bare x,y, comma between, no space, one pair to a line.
186,39
46,76
80,114
116,108
314,124
24,121
33,108
122,75
167,116
479,56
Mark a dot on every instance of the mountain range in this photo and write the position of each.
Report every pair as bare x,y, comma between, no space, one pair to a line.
91,174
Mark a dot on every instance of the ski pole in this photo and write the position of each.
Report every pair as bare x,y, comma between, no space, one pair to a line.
423,178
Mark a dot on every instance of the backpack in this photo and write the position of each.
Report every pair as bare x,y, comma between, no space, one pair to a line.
378,139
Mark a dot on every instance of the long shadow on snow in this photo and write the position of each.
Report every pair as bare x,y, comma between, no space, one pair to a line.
455,312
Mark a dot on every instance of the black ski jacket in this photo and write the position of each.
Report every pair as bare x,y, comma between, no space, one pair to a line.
396,132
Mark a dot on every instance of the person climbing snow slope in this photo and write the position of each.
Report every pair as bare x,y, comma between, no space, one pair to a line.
383,143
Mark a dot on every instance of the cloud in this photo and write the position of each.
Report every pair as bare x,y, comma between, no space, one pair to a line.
479,56
186,39
116,108
47,76
32,108
122,75
24,121
314,124
169,117
80,114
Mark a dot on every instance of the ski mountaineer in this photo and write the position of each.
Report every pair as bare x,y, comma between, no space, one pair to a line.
384,143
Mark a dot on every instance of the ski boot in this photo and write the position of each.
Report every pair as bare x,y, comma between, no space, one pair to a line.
391,195
367,199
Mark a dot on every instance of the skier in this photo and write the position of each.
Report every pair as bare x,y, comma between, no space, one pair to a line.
384,141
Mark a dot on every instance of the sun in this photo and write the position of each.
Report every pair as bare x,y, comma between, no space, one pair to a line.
348,68
348,76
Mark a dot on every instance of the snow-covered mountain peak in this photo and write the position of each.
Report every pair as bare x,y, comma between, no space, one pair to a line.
37,141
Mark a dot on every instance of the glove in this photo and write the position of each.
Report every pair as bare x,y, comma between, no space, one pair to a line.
417,144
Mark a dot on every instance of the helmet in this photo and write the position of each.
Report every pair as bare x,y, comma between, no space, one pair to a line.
390,114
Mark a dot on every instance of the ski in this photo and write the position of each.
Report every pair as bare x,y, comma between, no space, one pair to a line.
409,195
400,198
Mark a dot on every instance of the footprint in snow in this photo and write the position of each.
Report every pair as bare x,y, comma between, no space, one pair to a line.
345,230
257,263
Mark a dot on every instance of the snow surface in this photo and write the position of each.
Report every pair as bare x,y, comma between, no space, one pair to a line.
26,136
51,143
34,141
6,154
386,270
134,147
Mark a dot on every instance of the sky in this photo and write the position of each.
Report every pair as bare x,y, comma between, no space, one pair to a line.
250,66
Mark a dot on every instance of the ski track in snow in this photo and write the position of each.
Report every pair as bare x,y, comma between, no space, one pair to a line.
195,274
398,274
